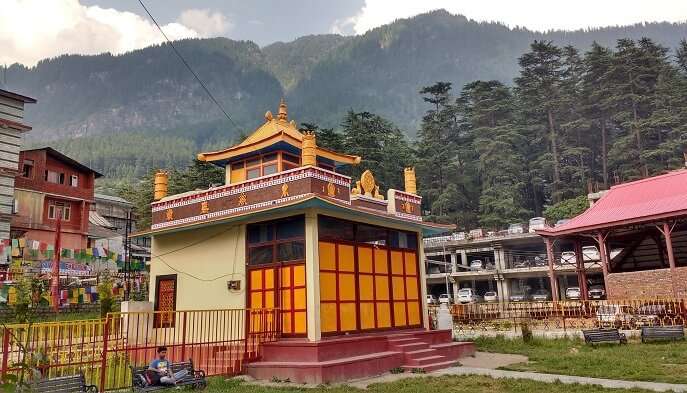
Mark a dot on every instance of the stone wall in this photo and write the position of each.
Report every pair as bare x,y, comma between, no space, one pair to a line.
646,284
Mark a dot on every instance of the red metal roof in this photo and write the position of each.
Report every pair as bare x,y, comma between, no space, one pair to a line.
645,200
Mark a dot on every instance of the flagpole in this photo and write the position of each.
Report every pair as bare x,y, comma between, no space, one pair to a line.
55,287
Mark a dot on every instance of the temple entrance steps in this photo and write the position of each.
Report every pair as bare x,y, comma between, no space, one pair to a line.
357,356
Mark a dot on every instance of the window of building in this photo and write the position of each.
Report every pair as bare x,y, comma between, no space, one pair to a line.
59,209
54,177
276,241
74,180
290,161
330,228
264,165
27,169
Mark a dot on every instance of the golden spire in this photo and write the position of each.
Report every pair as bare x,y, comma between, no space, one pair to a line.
309,149
409,180
283,111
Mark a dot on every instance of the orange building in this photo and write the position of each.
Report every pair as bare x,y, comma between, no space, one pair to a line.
338,258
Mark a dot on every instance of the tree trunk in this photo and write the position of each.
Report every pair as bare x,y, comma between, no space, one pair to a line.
554,152
638,136
604,153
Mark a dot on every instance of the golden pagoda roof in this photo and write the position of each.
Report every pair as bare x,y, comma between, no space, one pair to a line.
273,131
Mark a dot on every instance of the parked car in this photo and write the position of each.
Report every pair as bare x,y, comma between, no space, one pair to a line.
590,253
491,297
467,295
431,299
445,298
541,295
573,293
476,233
561,222
477,264
514,229
522,264
537,223
519,297
540,261
614,316
597,292
568,258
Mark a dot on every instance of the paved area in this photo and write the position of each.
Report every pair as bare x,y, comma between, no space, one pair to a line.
484,363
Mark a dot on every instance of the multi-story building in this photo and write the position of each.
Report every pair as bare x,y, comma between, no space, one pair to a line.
12,126
514,265
113,213
49,187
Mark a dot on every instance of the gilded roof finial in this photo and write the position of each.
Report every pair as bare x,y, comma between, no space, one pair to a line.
283,111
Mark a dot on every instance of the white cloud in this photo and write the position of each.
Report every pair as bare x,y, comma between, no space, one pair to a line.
205,22
31,30
538,15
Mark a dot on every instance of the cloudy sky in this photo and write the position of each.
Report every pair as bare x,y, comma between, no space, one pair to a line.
31,30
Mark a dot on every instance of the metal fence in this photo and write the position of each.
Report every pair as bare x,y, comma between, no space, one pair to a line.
566,316
218,341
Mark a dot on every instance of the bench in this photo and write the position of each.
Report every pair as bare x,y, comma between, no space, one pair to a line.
194,378
595,336
68,384
675,332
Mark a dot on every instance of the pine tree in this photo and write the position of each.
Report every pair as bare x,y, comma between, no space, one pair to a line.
538,88
488,108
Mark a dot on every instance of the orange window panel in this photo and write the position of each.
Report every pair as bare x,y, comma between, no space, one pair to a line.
255,279
411,288
286,299
400,314
411,263
256,300
300,324
381,263
413,313
237,175
286,323
398,288
364,260
327,286
367,315
383,315
269,278
299,299
299,276
285,276
327,253
366,287
346,258
382,287
396,262
346,287
269,299
328,317
348,316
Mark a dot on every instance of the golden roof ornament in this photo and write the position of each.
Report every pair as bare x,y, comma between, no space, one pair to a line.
268,116
283,111
370,188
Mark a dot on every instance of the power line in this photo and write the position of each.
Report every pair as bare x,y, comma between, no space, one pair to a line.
188,66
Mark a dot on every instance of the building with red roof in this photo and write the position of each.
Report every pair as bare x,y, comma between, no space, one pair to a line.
644,222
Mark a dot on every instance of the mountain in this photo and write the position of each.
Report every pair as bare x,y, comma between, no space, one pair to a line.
134,99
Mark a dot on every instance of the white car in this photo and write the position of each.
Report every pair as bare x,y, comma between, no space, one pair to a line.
477,265
537,223
467,295
431,299
514,229
568,258
590,253
573,293
445,299
491,297
597,292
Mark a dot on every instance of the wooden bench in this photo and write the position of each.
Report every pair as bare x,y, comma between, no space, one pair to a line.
596,336
194,378
68,384
674,332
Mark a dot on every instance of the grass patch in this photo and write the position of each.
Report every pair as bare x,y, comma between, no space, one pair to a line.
654,362
444,384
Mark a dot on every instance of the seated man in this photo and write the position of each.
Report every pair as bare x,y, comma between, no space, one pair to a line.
163,371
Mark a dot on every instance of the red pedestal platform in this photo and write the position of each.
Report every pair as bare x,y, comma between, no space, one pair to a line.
357,356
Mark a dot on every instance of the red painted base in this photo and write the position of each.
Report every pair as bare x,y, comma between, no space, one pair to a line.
350,357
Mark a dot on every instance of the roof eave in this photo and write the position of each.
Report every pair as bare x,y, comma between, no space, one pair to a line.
552,232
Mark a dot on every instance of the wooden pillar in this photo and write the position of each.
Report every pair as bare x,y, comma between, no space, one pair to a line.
601,239
312,276
552,273
667,233
579,269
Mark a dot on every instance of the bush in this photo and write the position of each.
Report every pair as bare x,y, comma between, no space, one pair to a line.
105,295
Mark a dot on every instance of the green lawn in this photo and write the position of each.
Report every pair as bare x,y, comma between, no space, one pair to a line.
656,362
453,384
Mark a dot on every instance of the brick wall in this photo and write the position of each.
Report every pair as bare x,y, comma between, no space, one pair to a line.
646,284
